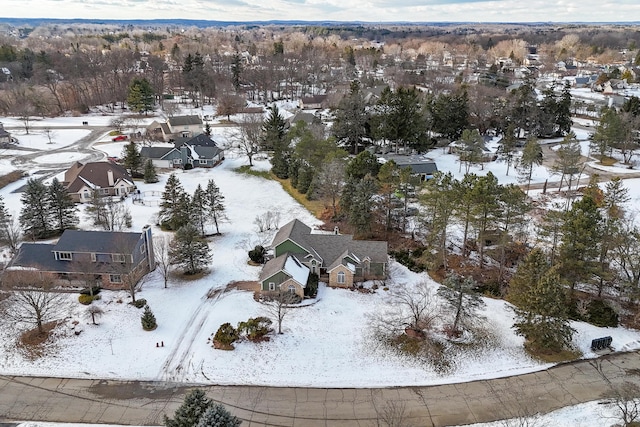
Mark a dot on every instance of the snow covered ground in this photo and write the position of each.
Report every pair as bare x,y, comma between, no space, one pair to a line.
325,345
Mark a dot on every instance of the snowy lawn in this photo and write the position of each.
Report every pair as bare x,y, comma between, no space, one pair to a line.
324,345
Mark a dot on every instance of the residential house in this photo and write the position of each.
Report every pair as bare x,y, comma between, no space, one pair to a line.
112,260
107,178
176,127
314,102
421,166
337,259
198,151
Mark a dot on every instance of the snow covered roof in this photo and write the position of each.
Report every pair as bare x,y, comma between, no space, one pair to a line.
296,270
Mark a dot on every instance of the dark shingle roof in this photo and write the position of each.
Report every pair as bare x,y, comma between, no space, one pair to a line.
201,139
155,152
207,152
95,173
184,120
104,242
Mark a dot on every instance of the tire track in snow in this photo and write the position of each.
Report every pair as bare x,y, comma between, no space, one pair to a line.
176,366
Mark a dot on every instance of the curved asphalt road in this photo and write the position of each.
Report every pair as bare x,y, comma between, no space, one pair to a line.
145,403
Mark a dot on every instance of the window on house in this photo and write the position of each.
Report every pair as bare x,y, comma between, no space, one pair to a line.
177,161
65,256
93,257
117,257
115,278
272,286
341,277
292,289
202,161
104,191
86,195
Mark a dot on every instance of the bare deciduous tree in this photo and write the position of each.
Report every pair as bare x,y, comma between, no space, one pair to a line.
11,233
33,300
278,305
248,136
625,399
51,134
267,221
412,308
161,254
94,312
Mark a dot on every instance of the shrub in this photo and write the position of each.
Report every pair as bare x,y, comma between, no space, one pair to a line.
85,299
409,259
148,320
257,254
226,334
601,314
255,328
188,166
311,290
139,303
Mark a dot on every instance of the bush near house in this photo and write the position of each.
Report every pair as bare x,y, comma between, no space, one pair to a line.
255,328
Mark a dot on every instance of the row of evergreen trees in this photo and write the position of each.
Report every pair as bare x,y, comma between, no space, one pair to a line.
47,210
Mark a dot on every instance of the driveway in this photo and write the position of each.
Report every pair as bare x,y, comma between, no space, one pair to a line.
145,403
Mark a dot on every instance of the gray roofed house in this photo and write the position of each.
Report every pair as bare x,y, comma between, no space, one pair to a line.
112,260
177,127
420,165
199,151
337,258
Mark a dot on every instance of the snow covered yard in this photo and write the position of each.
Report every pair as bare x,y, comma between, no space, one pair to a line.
324,345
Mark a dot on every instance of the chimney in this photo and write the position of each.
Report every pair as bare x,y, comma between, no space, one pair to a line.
336,231
110,177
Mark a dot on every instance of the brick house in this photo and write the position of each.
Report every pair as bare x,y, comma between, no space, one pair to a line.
112,260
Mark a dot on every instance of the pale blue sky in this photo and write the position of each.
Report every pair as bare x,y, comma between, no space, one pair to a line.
339,10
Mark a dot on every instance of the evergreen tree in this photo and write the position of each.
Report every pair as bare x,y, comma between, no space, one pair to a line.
274,129
140,96
214,204
528,274
362,165
351,117
450,114
464,200
192,409
236,70
198,209
35,216
174,208
148,320
460,295
563,111
507,150
581,235
218,416
513,206
150,174
471,148
542,315
568,163
61,206
531,155
486,208
439,201
609,131
361,208
189,250
404,122
96,209
131,158
6,236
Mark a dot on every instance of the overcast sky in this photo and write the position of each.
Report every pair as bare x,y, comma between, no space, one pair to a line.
339,10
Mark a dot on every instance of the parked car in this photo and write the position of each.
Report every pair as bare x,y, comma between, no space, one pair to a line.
119,138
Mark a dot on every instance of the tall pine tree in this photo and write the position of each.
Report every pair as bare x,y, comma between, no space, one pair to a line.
214,204
194,406
62,207
174,207
189,250
35,216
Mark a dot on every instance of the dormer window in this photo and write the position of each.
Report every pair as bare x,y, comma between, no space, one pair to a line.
117,257
65,256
